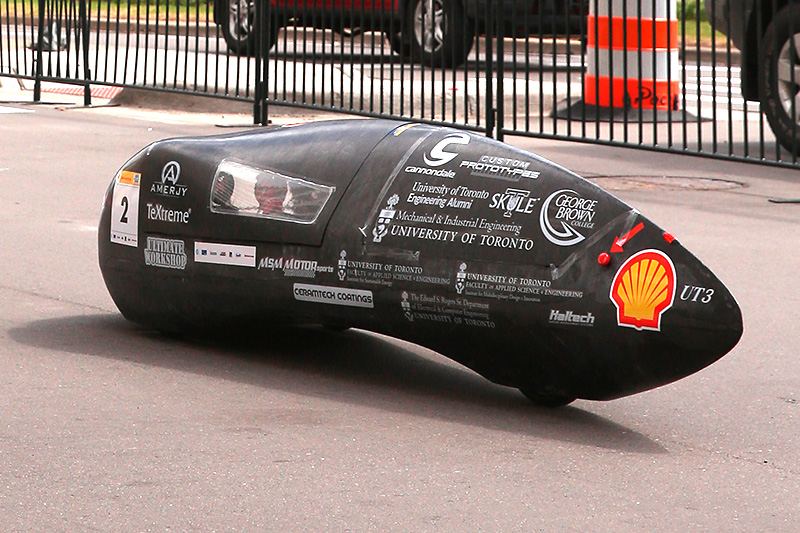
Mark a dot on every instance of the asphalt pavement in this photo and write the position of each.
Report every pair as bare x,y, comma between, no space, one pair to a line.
105,426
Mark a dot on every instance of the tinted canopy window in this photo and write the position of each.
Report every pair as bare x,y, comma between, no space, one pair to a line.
244,190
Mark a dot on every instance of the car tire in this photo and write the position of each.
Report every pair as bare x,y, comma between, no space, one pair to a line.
778,87
238,29
399,43
546,399
440,33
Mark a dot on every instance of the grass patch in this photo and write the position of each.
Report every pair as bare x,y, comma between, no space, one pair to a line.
691,14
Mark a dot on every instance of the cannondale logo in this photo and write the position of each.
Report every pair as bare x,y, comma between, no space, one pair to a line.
438,156
566,236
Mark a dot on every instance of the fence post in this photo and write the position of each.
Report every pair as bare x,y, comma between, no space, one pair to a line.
83,45
499,20
37,75
489,70
261,93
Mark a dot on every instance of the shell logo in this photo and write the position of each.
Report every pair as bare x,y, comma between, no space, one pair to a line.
643,288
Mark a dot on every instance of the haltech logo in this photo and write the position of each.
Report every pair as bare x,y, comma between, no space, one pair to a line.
643,289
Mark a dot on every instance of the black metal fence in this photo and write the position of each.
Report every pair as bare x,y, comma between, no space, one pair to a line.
647,73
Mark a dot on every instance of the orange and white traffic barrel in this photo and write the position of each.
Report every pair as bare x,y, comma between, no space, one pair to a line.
632,55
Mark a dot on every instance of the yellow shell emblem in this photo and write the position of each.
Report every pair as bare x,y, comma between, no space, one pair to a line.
643,288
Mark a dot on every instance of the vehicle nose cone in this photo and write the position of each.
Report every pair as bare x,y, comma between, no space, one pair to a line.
676,315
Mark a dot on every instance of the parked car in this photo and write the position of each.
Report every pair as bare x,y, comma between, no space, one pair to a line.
767,32
433,32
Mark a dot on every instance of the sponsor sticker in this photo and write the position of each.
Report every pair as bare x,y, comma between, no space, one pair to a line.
169,186
502,168
385,218
563,214
160,213
341,267
293,267
406,306
165,253
125,209
439,308
333,295
225,254
643,289
513,201
440,155
570,318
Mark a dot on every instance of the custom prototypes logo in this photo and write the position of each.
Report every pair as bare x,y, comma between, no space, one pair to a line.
643,289
438,156
169,186
385,218
569,211
502,168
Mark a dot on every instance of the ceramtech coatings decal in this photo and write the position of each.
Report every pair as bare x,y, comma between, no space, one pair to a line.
332,295
225,254
125,209
643,289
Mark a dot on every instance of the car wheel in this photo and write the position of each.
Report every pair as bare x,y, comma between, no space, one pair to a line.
441,35
239,31
400,44
779,80
546,399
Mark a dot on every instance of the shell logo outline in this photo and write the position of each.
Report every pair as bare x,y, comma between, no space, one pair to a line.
643,290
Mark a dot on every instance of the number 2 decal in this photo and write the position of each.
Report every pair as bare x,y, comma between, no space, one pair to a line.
125,209
124,217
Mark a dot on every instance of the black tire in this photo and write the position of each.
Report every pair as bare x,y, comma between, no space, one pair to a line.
779,79
400,44
237,24
439,32
546,399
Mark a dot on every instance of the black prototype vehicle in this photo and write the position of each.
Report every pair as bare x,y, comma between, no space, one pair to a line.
767,33
431,32
515,267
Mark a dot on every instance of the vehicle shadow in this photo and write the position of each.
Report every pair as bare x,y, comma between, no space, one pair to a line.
353,366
